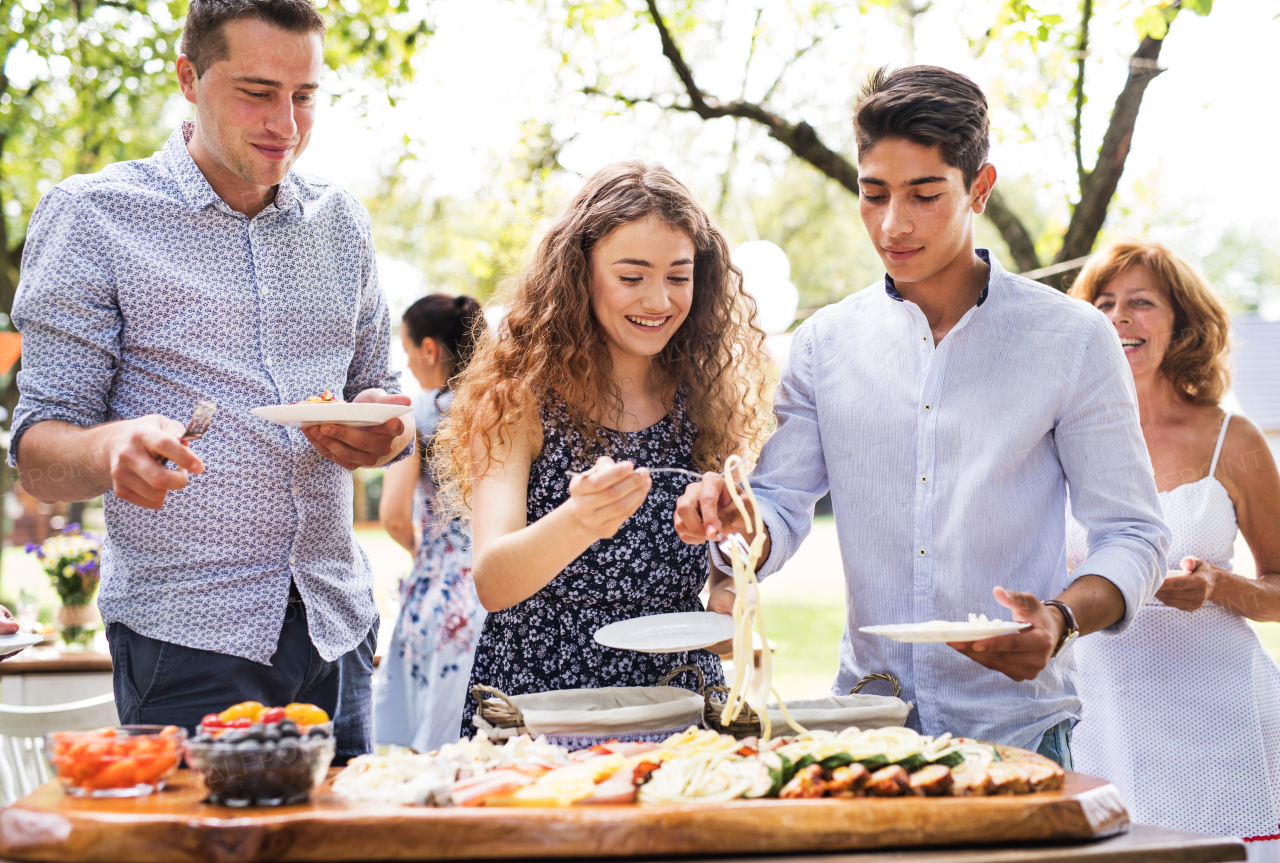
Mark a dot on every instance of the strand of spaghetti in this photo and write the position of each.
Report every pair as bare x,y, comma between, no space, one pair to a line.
746,584
786,714
741,642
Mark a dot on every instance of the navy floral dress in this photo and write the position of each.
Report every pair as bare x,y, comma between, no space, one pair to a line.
545,642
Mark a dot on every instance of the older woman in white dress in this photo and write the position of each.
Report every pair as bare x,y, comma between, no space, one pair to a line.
1182,710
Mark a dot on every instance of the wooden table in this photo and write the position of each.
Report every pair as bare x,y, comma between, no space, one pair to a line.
177,827
1142,844
56,680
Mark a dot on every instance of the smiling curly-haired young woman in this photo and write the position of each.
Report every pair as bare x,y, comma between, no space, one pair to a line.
627,344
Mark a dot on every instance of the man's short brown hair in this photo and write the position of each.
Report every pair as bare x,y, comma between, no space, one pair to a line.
930,106
204,40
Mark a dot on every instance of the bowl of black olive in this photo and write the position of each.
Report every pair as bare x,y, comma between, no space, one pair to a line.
262,765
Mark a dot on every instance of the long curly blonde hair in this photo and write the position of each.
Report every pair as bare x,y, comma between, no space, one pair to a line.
549,344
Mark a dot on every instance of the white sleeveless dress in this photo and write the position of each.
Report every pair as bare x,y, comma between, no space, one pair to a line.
1182,710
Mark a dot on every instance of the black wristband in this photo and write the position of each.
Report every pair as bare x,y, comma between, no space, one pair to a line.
1071,630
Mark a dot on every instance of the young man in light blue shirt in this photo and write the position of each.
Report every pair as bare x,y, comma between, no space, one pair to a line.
946,410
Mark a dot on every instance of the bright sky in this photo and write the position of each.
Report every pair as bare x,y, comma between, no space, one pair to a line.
484,72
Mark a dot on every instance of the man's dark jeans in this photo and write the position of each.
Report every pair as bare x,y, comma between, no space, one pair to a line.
158,683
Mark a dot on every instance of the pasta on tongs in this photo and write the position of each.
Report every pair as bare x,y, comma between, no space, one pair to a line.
749,685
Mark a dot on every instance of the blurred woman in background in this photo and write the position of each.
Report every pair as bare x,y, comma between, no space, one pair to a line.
421,687
1188,683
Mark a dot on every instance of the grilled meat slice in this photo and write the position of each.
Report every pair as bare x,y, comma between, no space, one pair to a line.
1009,777
891,781
932,780
848,781
808,782
970,781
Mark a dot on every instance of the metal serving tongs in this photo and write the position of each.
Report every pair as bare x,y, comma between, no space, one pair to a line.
731,540
200,422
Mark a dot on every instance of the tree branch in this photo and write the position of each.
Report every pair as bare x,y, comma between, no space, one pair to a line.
1100,184
1082,53
1015,235
803,141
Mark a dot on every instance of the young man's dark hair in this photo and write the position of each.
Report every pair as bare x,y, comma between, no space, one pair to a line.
927,105
203,40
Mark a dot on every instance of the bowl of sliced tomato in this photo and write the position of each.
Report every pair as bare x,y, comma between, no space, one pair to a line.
129,761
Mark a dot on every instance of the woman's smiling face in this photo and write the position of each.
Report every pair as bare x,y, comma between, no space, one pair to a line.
642,286
1142,316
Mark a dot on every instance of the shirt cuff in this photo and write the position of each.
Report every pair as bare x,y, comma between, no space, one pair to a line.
772,563
1135,580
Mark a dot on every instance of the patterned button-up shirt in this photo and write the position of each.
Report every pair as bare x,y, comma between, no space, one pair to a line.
948,466
142,292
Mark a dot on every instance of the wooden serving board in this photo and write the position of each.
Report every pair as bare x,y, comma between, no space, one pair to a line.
176,827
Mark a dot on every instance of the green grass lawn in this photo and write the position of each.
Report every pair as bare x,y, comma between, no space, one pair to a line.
807,636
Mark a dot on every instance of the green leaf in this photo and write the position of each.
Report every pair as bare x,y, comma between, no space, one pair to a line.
1152,23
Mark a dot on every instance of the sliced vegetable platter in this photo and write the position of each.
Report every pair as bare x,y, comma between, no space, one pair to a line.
697,793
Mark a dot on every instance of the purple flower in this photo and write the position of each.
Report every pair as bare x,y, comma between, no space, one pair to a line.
74,527
32,547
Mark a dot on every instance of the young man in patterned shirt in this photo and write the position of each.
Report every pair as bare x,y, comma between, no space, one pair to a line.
213,271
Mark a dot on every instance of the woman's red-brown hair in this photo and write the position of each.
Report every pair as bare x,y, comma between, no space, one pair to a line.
550,345
1196,360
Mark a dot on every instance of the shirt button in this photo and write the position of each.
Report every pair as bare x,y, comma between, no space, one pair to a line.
293,560
924,338
922,553
268,361
297,490
924,479
928,407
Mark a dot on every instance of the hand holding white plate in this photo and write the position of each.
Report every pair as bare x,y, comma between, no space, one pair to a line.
668,633
17,641
355,414
976,628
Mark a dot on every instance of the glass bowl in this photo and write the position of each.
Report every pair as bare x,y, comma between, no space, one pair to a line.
256,773
129,761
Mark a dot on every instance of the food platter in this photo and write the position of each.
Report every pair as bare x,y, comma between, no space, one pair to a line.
176,827
355,414
668,633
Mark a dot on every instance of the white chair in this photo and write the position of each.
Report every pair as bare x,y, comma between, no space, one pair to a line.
23,768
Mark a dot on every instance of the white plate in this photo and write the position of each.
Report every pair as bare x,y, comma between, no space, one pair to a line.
17,641
668,633
921,632
339,413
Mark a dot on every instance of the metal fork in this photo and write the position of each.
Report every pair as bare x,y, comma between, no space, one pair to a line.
691,473
200,421
735,539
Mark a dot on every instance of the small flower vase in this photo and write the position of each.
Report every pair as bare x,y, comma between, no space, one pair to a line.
77,623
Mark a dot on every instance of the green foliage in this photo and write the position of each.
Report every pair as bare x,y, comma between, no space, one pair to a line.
1245,269
468,246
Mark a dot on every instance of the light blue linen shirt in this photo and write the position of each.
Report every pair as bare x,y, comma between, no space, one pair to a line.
142,292
948,467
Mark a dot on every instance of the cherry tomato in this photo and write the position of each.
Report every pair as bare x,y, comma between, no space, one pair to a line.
272,716
245,709
306,714
243,722
213,720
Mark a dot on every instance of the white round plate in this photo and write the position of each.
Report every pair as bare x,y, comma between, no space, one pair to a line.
339,413
960,632
17,641
668,633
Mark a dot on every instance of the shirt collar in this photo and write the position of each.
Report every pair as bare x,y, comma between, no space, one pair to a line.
195,188
891,289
